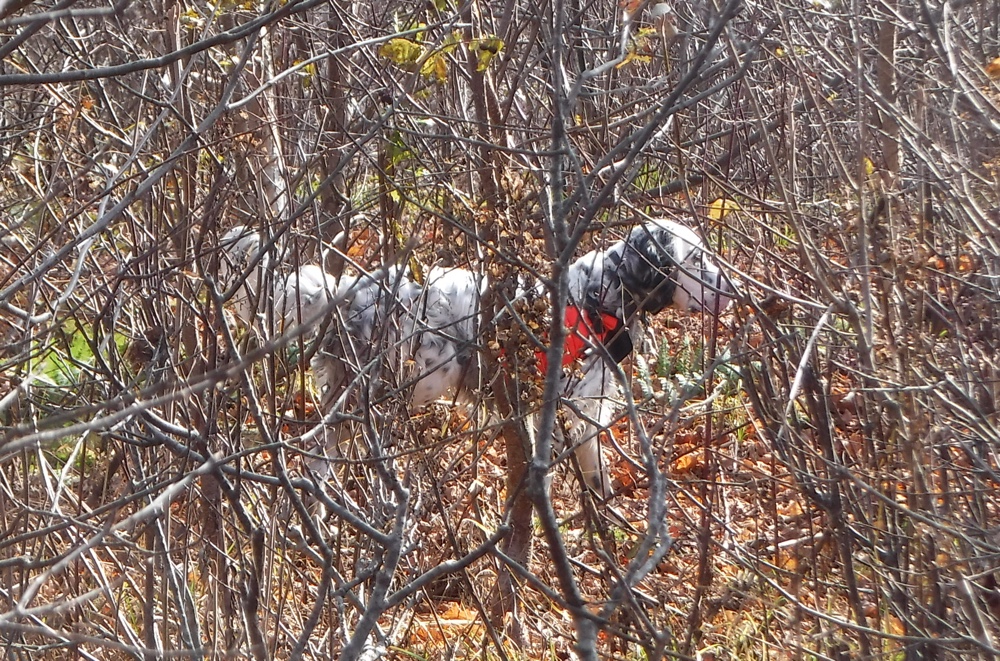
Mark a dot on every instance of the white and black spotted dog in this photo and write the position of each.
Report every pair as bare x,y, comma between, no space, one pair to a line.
425,338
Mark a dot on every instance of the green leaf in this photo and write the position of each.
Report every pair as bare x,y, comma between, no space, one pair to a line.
486,49
397,150
401,51
435,67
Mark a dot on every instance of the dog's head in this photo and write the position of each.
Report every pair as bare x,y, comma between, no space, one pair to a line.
665,264
660,264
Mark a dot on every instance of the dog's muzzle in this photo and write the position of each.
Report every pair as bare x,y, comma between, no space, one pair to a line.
713,296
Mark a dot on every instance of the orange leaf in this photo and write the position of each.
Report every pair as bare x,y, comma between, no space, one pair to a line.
625,475
895,626
688,463
455,611
787,561
792,510
362,243
993,68
937,263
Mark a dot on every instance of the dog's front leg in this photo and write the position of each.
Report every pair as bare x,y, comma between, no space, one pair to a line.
585,439
588,411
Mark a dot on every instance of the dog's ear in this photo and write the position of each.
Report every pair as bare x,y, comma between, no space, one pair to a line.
648,268
619,344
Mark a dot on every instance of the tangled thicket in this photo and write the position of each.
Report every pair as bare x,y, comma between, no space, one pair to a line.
826,455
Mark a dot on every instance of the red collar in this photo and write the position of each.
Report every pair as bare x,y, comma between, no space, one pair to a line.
584,329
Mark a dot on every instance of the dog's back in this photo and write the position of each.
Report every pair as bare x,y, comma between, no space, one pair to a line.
424,336
446,319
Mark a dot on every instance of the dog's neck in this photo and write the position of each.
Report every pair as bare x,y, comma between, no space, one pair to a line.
585,328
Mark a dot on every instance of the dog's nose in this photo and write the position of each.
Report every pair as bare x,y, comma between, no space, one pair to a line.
725,294
716,295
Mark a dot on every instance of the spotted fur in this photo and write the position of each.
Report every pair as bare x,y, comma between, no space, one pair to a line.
423,340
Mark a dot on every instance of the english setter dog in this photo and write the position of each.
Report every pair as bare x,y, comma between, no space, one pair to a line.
426,335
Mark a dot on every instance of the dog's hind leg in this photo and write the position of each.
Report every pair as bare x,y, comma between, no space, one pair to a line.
330,375
340,383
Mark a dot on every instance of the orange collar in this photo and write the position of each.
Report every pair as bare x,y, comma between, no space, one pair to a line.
584,330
